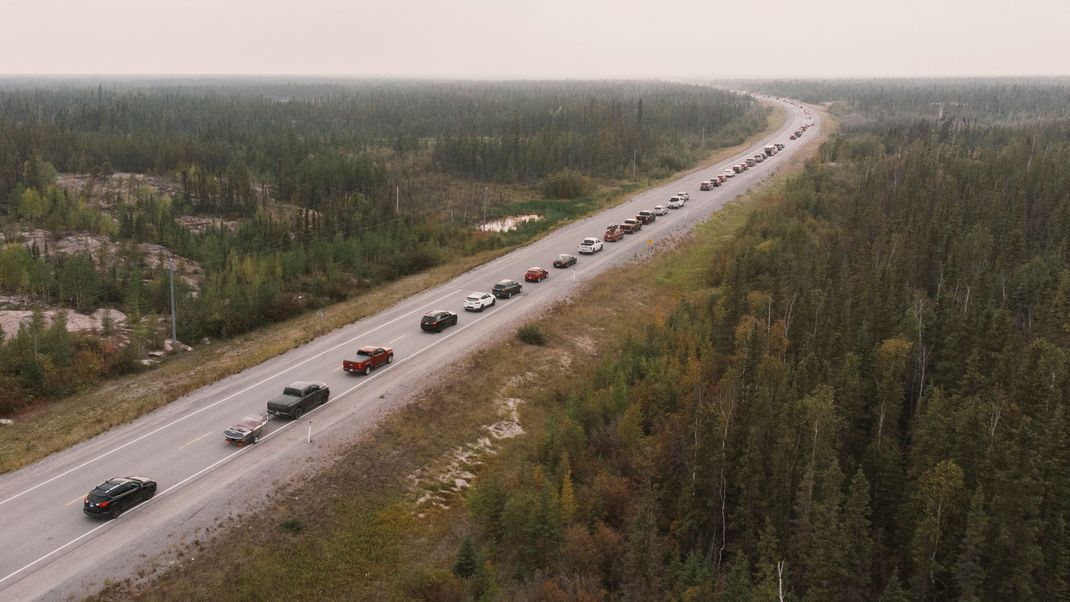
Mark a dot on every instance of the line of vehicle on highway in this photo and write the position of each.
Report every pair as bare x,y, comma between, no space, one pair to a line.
117,494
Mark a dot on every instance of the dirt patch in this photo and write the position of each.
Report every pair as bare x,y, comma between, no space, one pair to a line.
12,319
104,192
199,224
436,486
105,252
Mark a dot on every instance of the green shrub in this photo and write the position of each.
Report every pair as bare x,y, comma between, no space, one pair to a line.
567,184
292,525
531,334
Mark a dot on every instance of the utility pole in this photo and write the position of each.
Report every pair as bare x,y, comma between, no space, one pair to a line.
397,199
174,318
635,153
485,205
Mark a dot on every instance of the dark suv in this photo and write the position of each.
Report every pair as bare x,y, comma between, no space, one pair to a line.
112,497
438,319
506,289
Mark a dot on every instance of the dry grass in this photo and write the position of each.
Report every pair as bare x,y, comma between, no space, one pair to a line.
56,426
367,529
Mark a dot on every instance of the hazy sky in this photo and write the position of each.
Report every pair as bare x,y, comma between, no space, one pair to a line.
537,38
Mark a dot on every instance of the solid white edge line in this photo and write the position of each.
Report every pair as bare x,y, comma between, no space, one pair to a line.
212,405
240,450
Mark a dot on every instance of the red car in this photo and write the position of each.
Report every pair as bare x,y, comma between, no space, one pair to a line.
706,185
368,358
613,233
536,274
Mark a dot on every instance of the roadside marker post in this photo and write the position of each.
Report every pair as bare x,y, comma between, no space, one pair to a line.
573,274
310,431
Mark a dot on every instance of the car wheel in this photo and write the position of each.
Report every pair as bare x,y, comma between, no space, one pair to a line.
390,359
256,438
116,510
367,370
454,320
298,412
481,308
492,301
509,295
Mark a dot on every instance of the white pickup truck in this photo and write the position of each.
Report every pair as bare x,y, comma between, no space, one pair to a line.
590,246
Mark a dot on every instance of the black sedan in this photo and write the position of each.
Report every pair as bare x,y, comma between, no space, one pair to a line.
564,260
112,497
437,320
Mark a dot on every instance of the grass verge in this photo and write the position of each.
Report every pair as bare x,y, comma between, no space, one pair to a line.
370,538
55,426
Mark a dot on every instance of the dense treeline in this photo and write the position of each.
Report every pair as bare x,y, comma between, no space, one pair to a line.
319,142
310,173
1003,99
871,405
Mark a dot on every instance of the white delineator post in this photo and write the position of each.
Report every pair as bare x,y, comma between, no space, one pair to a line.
310,431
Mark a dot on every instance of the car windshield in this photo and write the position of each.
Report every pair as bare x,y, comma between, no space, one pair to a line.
365,353
292,392
472,299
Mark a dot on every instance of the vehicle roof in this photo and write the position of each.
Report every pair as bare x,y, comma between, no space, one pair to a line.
110,485
298,384
369,349
435,312
590,239
506,281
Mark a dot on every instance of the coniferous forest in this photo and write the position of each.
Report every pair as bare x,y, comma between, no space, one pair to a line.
313,191
871,404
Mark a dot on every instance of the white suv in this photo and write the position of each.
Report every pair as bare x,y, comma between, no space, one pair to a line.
676,202
590,245
478,301
661,210
684,196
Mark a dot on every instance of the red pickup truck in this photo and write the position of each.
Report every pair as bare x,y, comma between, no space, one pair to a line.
613,233
368,358
631,226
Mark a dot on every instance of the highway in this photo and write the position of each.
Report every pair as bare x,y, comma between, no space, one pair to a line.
51,550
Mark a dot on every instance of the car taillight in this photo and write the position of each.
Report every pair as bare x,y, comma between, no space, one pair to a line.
104,504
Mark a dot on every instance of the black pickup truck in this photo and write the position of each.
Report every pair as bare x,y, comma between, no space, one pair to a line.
298,398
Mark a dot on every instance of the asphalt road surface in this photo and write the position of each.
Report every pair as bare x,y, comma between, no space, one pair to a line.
51,550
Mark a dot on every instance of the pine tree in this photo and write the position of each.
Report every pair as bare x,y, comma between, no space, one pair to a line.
894,591
969,571
466,564
859,539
